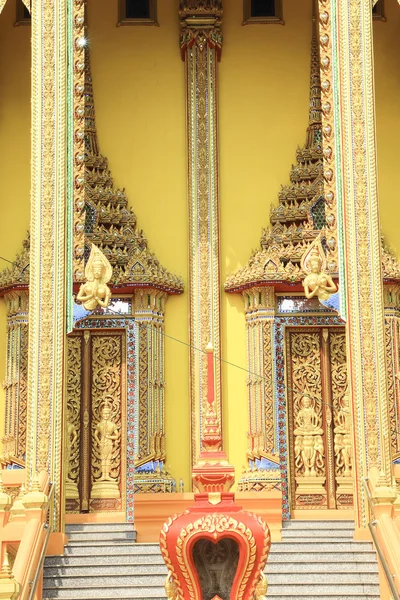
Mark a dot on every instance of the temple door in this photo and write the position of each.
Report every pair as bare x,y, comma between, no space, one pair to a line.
95,442
319,419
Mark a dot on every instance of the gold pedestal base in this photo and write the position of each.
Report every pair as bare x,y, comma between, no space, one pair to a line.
344,492
310,492
71,490
105,489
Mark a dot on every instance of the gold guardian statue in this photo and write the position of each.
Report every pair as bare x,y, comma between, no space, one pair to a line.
317,281
98,272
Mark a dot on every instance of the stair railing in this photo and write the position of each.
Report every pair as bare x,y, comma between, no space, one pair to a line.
371,525
47,526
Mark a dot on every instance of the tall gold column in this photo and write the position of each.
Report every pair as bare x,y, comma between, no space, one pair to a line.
201,44
47,268
347,83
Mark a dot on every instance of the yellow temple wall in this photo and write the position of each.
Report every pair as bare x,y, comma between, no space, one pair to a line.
139,92
15,120
387,79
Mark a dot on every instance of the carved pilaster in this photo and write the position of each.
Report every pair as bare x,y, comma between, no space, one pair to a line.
201,43
347,70
47,294
259,304
391,299
148,310
15,384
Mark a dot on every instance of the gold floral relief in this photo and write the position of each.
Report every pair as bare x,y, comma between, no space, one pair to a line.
307,404
106,408
73,413
143,389
340,405
23,391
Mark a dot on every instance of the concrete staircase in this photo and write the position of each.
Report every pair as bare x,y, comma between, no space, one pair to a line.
316,560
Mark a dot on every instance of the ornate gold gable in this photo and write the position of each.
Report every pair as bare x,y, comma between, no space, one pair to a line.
18,274
110,223
300,216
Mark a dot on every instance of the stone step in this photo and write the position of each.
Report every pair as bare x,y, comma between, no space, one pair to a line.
326,578
328,596
116,579
110,570
99,581
321,591
307,592
100,548
318,525
60,567
105,593
301,545
321,567
104,559
324,557
101,536
96,527
281,558
317,533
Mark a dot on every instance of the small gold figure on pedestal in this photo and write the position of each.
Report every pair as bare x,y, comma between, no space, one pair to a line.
261,588
171,589
98,271
309,447
105,434
317,282
342,431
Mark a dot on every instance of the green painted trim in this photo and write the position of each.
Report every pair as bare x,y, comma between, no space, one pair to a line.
70,168
338,161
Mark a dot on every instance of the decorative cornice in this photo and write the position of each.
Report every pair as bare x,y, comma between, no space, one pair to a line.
18,274
201,24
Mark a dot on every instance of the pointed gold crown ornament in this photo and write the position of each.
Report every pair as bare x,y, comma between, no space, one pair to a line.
98,272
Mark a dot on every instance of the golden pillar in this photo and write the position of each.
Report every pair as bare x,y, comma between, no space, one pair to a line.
47,290
201,44
347,83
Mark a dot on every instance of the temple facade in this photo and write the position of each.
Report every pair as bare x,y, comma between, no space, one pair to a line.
186,179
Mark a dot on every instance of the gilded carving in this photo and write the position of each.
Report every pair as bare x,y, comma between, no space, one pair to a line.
201,42
343,443
98,271
106,416
15,383
73,416
171,589
77,73
261,588
317,282
259,306
349,25
309,447
212,524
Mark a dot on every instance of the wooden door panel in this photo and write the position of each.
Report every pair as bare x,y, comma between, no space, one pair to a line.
318,419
